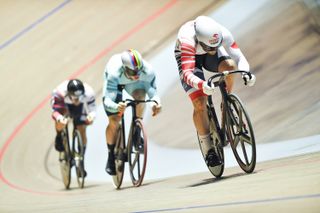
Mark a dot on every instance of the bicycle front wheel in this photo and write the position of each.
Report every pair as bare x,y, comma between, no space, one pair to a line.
137,152
78,156
65,160
120,158
240,134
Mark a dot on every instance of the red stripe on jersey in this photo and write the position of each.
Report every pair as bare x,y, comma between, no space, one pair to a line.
234,45
196,94
185,46
186,75
188,65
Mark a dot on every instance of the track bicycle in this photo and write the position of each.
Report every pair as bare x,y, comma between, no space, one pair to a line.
73,155
235,127
135,151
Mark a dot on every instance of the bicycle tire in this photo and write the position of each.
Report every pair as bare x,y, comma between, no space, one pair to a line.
137,156
240,131
119,152
65,160
216,171
78,156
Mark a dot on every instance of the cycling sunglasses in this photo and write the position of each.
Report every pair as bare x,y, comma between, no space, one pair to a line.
208,48
74,97
131,72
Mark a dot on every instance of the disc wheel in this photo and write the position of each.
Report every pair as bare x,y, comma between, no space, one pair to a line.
240,134
137,152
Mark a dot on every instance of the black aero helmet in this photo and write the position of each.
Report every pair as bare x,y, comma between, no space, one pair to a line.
75,87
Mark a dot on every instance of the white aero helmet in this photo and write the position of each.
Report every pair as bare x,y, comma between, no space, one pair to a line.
208,31
132,59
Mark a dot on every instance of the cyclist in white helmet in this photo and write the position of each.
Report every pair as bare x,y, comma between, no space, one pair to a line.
204,44
128,71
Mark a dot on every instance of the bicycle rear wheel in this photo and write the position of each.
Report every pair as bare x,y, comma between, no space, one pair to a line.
78,156
240,134
65,160
120,158
216,171
137,152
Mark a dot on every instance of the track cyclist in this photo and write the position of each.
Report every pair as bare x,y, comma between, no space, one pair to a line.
127,70
204,43
74,99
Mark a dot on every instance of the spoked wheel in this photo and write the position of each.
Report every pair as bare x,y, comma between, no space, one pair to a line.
240,134
217,171
65,160
120,159
78,156
137,152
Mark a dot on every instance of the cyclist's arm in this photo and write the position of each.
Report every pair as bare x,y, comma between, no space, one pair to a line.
150,82
57,104
234,51
110,91
90,101
152,91
188,61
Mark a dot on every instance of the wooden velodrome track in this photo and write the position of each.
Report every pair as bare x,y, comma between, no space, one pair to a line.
45,42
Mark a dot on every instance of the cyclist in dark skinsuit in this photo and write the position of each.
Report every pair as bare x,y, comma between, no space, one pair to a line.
75,99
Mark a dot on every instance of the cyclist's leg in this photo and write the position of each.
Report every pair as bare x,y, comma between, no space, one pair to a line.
111,134
138,91
58,139
225,63
78,114
139,94
82,129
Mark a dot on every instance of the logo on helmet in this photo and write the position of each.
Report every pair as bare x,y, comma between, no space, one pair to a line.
215,39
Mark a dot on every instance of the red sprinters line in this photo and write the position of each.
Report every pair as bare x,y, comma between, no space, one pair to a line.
82,69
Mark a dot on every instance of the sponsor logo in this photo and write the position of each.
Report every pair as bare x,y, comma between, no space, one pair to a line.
215,39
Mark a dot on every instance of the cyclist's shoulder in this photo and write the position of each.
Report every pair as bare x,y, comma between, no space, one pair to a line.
148,71
88,90
114,65
61,89
186,32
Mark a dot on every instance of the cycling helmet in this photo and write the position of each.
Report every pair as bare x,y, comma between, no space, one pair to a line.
132,60
75,87
208,31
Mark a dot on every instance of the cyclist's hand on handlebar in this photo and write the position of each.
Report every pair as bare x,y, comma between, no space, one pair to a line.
62,120
156,109
207,89
121,107
89,119
249,79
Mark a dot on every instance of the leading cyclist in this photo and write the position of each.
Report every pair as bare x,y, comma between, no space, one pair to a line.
75,99
130,72
205,44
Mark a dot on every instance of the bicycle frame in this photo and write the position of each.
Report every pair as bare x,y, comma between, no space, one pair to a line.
220,129
136,158
221,83
71,160
235,124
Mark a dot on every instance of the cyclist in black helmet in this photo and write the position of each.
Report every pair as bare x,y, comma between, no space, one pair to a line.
77,100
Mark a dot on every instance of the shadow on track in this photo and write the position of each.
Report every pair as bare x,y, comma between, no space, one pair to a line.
215,180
